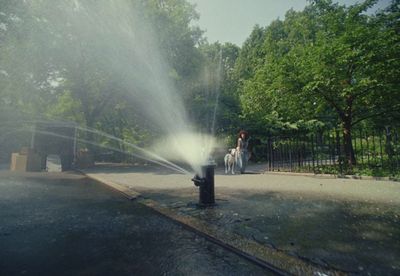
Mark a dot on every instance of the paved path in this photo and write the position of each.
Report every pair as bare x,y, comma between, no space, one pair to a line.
346,224
152,178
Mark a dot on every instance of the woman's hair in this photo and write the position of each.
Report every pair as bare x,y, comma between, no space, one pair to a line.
243,132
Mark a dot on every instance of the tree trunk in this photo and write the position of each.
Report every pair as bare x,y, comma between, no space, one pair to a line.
348,145
346,117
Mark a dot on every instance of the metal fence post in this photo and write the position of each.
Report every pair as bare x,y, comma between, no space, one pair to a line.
380,147
269,150
361,145
339,152
312,152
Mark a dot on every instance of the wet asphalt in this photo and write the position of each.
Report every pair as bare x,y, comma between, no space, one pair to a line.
64,224
348,225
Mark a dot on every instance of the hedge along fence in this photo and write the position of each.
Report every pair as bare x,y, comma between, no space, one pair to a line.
375,152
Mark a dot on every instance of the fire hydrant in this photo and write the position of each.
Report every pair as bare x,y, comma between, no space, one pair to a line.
206,185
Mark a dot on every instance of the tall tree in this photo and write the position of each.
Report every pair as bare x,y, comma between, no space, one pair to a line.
80,59
329,59
217,99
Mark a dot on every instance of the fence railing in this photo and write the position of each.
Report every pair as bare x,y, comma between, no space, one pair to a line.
375,152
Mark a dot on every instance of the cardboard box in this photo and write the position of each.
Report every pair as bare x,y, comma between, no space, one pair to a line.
19,162
29,162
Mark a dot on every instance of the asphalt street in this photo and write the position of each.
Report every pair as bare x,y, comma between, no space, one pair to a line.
63,224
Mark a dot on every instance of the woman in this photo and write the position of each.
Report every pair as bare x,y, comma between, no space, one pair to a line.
241,150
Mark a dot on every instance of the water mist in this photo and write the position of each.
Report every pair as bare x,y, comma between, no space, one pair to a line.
114,37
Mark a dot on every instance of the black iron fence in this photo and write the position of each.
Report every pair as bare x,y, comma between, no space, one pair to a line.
374,152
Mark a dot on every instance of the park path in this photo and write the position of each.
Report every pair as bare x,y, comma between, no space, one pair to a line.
348,225
153,178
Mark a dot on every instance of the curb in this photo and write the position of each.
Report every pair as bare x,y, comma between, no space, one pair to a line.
127,192
271,259
334,176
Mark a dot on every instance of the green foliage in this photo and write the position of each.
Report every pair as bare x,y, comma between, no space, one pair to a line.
176,36
327,65
251,55
214,92
54,64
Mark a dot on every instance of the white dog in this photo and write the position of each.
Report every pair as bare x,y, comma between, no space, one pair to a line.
230,161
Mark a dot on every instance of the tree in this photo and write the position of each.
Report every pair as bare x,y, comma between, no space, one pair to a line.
176,36
91,62
329,60
217,91
265,107
352,66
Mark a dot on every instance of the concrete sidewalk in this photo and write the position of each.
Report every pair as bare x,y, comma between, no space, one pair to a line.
347,225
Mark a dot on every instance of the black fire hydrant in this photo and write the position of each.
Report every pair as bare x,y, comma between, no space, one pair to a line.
206,185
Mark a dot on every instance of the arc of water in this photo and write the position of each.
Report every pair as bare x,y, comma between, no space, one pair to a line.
153,157
175,168
145,152
62,123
